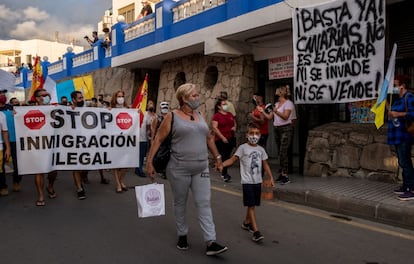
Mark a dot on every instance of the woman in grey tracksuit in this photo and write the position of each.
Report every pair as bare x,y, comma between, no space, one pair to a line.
188,165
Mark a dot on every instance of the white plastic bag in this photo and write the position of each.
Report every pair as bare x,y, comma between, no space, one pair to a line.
150,199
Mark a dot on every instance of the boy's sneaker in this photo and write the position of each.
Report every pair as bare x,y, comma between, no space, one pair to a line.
215,249
400,190
81,195
227,178
247,227
257,236
182,243
406,196
284,180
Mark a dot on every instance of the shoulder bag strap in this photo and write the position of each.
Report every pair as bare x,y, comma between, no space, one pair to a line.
172,123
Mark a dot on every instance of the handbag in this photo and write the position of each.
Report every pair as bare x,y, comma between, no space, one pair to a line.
409,125
150,200
162,156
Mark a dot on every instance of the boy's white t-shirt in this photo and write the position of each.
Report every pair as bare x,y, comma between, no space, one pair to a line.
3,127
251,163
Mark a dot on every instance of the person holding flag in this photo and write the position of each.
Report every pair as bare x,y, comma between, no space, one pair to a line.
140,103
37,78
400,115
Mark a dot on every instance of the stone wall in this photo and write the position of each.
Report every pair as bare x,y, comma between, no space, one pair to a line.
108,80
350,150
236,76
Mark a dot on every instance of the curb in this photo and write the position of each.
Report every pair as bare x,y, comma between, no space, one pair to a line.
375,211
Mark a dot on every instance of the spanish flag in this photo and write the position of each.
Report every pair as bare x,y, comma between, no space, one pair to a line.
140,101
379,107
37,78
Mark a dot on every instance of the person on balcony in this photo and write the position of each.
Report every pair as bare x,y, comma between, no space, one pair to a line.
146,9
106,42
94,38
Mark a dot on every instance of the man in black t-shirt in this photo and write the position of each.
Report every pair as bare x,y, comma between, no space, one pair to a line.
146,9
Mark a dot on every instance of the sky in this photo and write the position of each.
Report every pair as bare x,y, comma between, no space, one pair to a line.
40,19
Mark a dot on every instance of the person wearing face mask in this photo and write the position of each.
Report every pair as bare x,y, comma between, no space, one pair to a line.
42,98
118,101
164,109
400,115
145,137
283,129
223,96
224,126
253,159
151,117
188,167
63,100
258,117
8,111
78,101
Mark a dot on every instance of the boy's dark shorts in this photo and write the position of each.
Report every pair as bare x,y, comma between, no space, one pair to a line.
252,194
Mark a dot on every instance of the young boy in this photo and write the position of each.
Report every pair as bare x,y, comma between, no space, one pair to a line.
252,159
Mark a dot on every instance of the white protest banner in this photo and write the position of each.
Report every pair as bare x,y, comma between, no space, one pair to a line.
338,51
85,138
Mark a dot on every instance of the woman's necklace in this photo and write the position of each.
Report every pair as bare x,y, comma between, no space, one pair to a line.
190,115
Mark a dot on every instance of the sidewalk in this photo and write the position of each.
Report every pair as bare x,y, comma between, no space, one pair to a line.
371,200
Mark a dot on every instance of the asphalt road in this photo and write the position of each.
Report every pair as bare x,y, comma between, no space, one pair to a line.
105,228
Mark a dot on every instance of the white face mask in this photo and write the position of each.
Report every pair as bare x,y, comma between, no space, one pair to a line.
253,139
164,110
120,100
396,90
225,108
46,100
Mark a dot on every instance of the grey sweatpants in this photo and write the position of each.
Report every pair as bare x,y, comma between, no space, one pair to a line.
194,175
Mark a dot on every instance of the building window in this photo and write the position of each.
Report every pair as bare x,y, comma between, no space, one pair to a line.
128,12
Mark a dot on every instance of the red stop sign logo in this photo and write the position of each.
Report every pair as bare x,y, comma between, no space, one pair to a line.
34,119
123,121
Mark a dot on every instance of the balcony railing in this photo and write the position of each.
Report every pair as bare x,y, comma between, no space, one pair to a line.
55,67
140,29
193,7
84,58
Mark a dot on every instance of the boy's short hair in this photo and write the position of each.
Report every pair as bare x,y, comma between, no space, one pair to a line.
252,125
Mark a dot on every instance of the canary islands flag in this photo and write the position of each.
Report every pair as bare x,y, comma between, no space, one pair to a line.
83,84
387,85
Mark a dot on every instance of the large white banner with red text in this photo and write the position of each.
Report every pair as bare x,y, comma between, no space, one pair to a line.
338,50
85,138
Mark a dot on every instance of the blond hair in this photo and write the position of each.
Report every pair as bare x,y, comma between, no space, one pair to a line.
184,91
284,91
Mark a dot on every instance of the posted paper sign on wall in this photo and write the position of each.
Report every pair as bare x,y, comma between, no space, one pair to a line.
338,51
